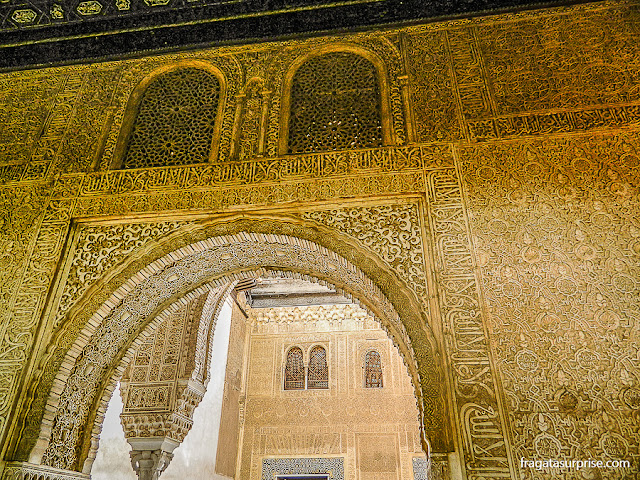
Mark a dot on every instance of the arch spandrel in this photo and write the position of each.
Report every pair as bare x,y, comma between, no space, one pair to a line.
392,287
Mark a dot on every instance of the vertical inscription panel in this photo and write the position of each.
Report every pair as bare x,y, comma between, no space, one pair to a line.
476,397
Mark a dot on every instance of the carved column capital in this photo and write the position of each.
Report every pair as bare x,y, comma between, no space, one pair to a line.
149,464
151,456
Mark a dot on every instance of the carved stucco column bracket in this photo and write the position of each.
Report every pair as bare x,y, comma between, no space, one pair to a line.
408,111
151,456
157,417
264,119
28,471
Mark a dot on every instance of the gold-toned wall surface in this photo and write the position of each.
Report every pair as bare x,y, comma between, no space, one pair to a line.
500,221
374,432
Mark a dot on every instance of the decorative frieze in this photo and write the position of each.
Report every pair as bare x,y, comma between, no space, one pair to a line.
550,123
28,471
256,170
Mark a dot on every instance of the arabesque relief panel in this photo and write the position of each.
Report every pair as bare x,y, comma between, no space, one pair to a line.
554,72
563,61
556,236
435,106
23,119
30,249
54,122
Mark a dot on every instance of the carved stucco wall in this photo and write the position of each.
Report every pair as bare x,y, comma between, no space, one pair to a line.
475,88
557,241
373,431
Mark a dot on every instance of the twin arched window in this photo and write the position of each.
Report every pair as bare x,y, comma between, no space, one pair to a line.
317,373
334,104
175,121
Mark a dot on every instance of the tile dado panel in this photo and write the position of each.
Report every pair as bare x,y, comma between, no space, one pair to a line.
524,150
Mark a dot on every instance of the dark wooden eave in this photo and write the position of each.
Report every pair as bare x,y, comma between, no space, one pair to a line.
144,30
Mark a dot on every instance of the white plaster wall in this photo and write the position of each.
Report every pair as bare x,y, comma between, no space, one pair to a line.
112,460
195,458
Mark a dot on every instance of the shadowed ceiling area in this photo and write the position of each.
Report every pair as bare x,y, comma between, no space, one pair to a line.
50,32
289,292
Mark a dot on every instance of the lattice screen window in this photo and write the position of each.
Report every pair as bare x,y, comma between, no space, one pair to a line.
318,375
372,370
175,120
294,370
335,105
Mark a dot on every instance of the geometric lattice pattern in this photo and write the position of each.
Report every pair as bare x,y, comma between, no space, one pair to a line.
274,467
372,370
318,375
420,468
157,358
175,120
335,105
294,370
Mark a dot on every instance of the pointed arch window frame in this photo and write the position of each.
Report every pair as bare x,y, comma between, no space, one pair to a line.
388,136
326,365
137,95
365,366
286,366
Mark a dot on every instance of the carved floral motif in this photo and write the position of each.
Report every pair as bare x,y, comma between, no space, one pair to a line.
556,237
390,230
99,248
570,60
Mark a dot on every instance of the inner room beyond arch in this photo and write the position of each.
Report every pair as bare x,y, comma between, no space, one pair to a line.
263,430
